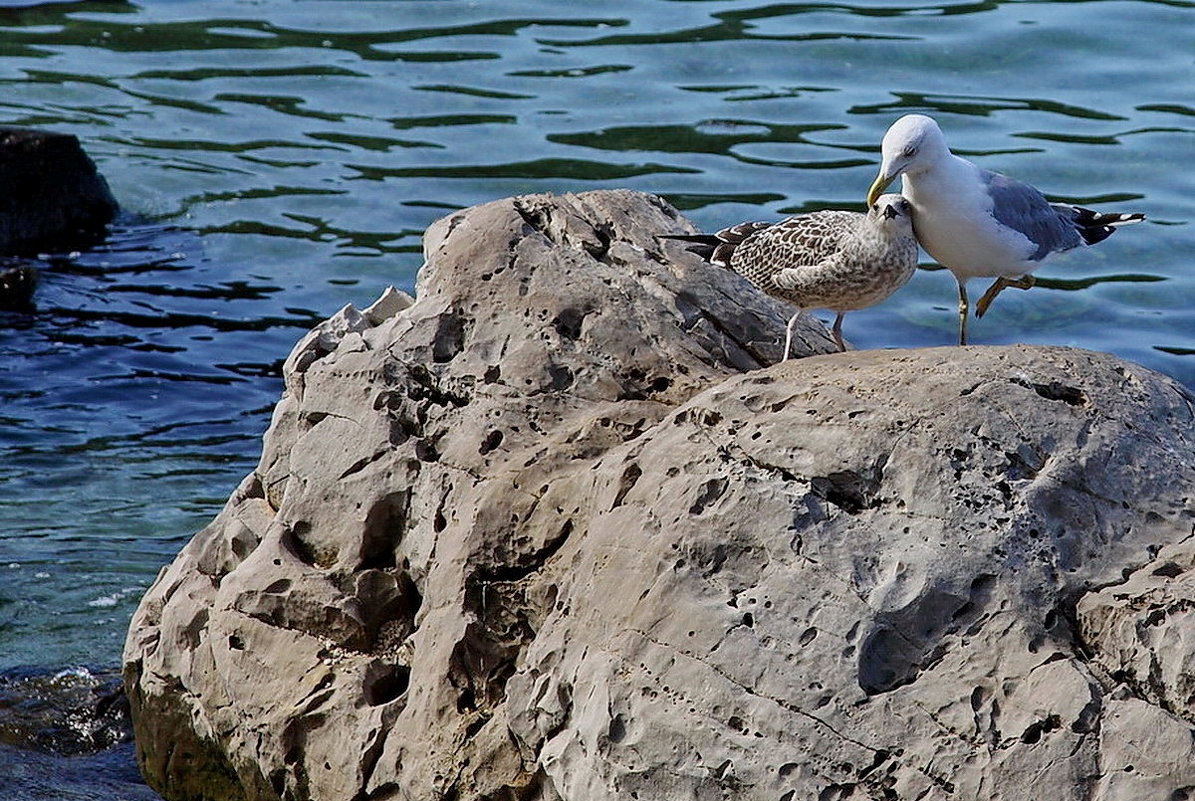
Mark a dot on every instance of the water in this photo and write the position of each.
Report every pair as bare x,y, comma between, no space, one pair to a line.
276,160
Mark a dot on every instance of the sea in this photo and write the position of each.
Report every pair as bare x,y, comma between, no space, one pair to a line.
277,159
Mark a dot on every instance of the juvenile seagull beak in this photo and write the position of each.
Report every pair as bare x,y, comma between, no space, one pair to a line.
878,186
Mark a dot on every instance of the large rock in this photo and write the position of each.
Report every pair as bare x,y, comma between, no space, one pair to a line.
537,536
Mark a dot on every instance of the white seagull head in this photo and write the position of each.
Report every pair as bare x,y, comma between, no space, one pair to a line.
913,143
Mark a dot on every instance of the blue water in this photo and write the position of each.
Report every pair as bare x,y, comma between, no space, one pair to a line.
276,160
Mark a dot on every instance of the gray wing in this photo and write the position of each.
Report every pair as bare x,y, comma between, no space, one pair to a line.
1026,210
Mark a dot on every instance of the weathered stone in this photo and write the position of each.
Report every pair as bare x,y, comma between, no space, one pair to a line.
1140,634
903,622
537,536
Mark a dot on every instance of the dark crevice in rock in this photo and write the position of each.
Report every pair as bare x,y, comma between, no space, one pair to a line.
535,216
1055,390
1024,463
361,464
254,488
474,726
852,491
1169,570
711,560
630,476
560,376
1033,733
783,472
384,683
526,564
603,237
426,451
294,539
422,385
484,659
371,755
709,492
491,441
569,320
451,333
636,386
439,521
389,606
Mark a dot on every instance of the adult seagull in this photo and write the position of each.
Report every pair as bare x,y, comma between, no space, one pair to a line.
978,223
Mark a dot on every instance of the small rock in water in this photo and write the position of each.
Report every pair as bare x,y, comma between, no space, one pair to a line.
67,712
16,287
54,197
54,200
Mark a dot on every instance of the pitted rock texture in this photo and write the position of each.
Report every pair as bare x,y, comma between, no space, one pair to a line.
538,536
903,623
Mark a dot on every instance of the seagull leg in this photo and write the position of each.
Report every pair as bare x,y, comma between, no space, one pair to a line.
837,332
788,333
962,313
998,286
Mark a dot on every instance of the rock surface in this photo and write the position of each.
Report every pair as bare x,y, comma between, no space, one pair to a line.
538,536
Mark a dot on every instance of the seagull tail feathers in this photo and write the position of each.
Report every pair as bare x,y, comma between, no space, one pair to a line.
1095,226
717,248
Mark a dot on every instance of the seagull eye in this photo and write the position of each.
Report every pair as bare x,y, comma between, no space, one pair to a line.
910,151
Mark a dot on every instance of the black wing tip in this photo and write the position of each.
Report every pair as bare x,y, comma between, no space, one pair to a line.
1095,226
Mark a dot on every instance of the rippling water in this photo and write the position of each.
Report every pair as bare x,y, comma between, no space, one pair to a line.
276,160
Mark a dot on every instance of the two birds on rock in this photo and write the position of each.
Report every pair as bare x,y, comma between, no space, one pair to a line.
974,222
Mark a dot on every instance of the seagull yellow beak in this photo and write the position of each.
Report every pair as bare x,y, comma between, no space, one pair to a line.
878,186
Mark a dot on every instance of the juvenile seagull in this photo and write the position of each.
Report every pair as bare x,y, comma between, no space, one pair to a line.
980,223
837,260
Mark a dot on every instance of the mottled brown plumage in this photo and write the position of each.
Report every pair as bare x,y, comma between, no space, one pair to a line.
836,260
